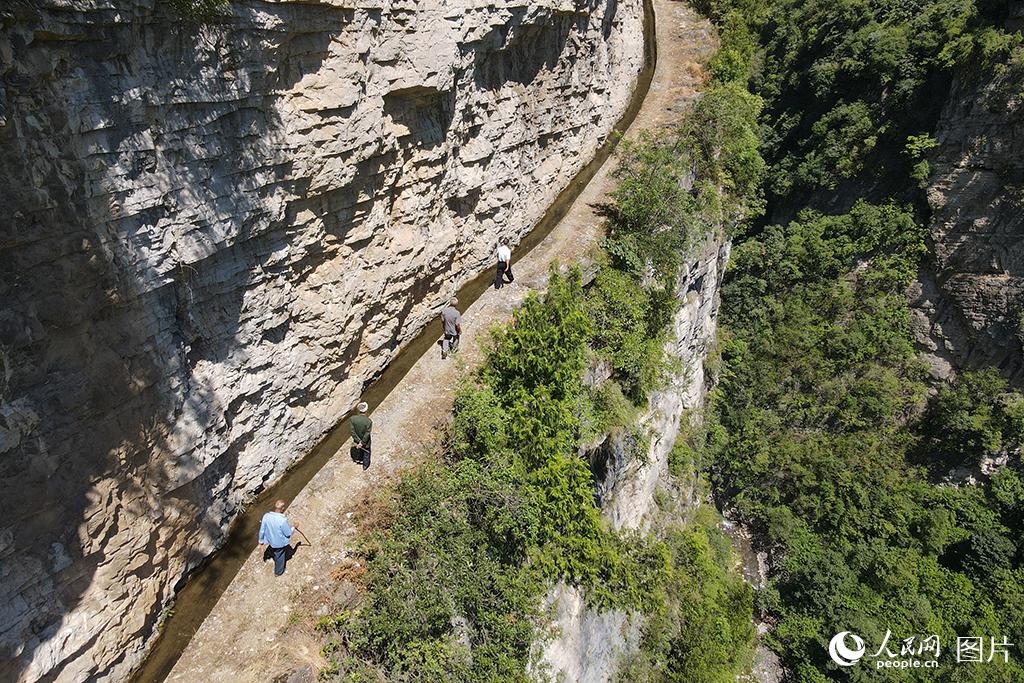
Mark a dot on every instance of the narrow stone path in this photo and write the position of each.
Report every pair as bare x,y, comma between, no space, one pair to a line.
247,635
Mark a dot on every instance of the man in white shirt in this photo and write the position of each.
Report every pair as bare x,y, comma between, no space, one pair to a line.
504,265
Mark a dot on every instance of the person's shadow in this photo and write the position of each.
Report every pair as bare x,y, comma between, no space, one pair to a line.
288,554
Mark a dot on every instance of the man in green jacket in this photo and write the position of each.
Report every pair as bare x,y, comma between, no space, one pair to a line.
361,426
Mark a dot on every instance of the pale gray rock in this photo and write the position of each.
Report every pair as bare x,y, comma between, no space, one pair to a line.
629,484
217,235
588,644
969,304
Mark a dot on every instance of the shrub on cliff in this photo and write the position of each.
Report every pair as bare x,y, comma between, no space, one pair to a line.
704,632
652,204
630,329
975,417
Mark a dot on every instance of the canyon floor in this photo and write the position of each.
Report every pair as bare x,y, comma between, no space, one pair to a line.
254,632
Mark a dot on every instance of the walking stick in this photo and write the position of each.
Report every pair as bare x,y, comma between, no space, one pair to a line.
304,537
364,450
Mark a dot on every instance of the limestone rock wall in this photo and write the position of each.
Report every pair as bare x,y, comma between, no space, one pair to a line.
969,303
630,482
214,236
589,644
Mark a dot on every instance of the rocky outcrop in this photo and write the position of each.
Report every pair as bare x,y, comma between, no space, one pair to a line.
216,235
588,645
969,303
631,481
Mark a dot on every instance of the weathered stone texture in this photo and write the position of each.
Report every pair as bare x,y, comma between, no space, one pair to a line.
630,482
214,236
969,302
591,644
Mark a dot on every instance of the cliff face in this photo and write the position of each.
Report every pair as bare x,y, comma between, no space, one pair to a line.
590,644
630,482
216,235
970,301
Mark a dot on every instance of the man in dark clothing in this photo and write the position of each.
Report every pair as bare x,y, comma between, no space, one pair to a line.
361,426
452,320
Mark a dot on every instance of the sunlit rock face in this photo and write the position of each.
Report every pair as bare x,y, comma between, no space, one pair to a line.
629,482
214,236
969,306
590,644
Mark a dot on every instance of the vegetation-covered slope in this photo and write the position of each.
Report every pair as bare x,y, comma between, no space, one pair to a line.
852,88
822,449
826,441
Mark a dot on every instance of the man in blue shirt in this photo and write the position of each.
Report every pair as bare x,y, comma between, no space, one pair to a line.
276,532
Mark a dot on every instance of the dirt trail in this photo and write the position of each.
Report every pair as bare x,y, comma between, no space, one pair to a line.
246,637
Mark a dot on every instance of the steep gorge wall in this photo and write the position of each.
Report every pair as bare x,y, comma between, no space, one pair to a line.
969,304
215,236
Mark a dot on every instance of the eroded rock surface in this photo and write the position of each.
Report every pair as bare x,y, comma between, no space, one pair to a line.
631,480
969,303
215,235
589,644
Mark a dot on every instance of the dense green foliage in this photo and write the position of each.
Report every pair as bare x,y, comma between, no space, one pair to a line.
824,437
630,330
679,185
975,417
847,83
463,548
650,202
449,546
820,449
1005,92
467,545
704,632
